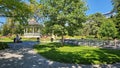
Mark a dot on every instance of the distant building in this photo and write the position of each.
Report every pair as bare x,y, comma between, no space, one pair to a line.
110,14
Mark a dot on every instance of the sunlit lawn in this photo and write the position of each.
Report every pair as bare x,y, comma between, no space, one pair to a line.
78,54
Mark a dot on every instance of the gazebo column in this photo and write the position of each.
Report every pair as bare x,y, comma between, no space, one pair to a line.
25,30
39,31
33,30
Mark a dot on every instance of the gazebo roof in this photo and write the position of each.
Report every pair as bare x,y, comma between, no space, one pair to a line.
32,22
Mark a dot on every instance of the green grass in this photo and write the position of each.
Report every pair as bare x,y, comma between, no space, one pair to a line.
78,54
6,39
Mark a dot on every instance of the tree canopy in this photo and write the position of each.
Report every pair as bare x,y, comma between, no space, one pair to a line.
94,21
116,9
17,9
68,14
108,29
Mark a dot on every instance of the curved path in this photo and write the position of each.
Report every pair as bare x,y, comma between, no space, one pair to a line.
22,55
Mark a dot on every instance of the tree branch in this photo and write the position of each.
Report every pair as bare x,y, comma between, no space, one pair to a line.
3,15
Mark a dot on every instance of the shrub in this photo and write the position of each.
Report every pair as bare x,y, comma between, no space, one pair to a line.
3,45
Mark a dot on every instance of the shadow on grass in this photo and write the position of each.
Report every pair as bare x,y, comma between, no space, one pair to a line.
48,45
108,56
87,56
4,45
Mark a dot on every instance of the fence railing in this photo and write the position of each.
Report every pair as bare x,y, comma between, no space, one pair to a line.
31,34
90,42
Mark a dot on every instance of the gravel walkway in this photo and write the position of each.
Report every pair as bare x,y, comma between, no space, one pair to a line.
22,55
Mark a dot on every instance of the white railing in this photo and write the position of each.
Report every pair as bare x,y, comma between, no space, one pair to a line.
31,34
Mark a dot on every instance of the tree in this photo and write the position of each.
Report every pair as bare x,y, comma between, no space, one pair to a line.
53,30
93,23
116,9
116,5
5,30
36,8
17,9
68,14
108,29
11,27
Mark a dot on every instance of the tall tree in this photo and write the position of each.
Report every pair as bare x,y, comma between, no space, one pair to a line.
116,9
93,23
68,14
108,29
11,27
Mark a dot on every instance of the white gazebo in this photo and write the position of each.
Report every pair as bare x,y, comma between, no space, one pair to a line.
32,30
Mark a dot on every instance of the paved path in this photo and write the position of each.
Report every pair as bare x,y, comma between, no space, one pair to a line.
22,55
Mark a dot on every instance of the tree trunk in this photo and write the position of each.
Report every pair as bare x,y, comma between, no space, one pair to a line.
108,41
62,37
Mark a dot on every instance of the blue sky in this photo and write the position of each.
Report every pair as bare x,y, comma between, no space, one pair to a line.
102,6
2,19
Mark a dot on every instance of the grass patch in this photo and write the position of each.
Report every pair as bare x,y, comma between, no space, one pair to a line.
6,39
78,54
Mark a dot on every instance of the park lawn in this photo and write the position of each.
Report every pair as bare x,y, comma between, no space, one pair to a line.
6,39
78,54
